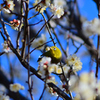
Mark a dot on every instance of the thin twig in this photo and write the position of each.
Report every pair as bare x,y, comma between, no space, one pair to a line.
47,26
35,23
33,16
19,29
66,80
41,29
4,27
59,42
25,32
98,42
27,36
43,91
35,5
1,53
38,47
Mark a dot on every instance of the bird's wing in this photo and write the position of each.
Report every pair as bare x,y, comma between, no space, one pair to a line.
47,54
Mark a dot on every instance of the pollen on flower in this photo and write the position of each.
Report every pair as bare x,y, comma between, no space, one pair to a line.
77,65
54,68
59,70
74,62
16,87
58,11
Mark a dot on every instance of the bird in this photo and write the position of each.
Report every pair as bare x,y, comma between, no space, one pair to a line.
53,52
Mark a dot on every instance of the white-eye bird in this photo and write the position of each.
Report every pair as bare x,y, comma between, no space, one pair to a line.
54,53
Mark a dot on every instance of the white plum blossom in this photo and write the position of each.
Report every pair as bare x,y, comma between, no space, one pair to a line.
91,27
6,47
66,69
42,6
59,3
43,66
54,68
16,87
74,62
3,96
58,11
51,91
39,41
51,79
86,87
56,7
3,88
46,67
7,6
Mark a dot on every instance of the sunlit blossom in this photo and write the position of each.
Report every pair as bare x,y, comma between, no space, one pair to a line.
74,62
66,69
59,3
84,86
43,66
54,68
58,11
6,47
39,41
91,27
16,87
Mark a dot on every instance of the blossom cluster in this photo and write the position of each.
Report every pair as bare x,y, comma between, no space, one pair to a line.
14,88
7,7
86,87
15,24
91,27
57,7
74,62
46,68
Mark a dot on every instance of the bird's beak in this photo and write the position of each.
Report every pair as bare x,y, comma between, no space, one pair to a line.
50,48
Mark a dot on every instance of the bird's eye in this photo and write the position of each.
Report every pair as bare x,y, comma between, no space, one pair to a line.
54,48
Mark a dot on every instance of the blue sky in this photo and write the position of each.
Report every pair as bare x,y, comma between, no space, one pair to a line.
87,9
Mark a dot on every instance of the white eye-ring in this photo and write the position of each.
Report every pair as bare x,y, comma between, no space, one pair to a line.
54,48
